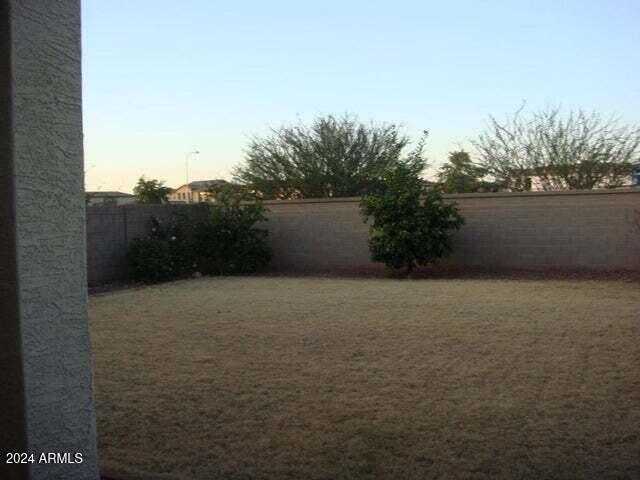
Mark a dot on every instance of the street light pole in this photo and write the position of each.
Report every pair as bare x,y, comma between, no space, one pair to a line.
186,165
186,162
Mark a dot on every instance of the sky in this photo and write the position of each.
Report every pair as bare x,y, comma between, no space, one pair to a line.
164,78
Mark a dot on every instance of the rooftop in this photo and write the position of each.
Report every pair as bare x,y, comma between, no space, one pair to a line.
203,184
109,194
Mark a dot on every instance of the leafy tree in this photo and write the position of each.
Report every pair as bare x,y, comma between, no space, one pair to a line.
563,152
333,157
410,226
151,191
461,175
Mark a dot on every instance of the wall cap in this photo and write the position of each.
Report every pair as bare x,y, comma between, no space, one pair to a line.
109,209
454,196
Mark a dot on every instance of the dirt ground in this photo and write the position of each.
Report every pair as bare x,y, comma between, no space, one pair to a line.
334,378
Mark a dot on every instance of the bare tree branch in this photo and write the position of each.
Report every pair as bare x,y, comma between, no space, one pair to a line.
575,151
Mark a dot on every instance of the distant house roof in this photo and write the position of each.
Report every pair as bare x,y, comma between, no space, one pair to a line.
203,184
109,194
541,170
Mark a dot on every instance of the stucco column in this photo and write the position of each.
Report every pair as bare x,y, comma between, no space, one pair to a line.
46,393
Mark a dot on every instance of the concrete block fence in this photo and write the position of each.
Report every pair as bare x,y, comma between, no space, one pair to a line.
590,230
109,231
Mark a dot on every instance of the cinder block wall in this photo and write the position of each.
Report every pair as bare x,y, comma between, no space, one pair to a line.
109,231
570,230
595,230
323,234
576,230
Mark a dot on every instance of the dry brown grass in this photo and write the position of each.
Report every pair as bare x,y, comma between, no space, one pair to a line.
242,378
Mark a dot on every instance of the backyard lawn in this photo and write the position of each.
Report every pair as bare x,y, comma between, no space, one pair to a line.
321,378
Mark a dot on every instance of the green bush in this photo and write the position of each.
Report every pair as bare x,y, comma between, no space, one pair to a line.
218,238
150,260
221,239
410,226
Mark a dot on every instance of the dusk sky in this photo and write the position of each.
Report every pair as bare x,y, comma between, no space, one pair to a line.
163,78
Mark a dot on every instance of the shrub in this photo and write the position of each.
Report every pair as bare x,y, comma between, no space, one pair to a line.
410,226
150,260
218,238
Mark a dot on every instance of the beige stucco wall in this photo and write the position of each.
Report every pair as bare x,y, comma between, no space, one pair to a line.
183,190
46,385
191,196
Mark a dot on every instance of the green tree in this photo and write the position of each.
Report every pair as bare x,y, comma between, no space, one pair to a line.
461,175
410,226
563,152
151,191
332,157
